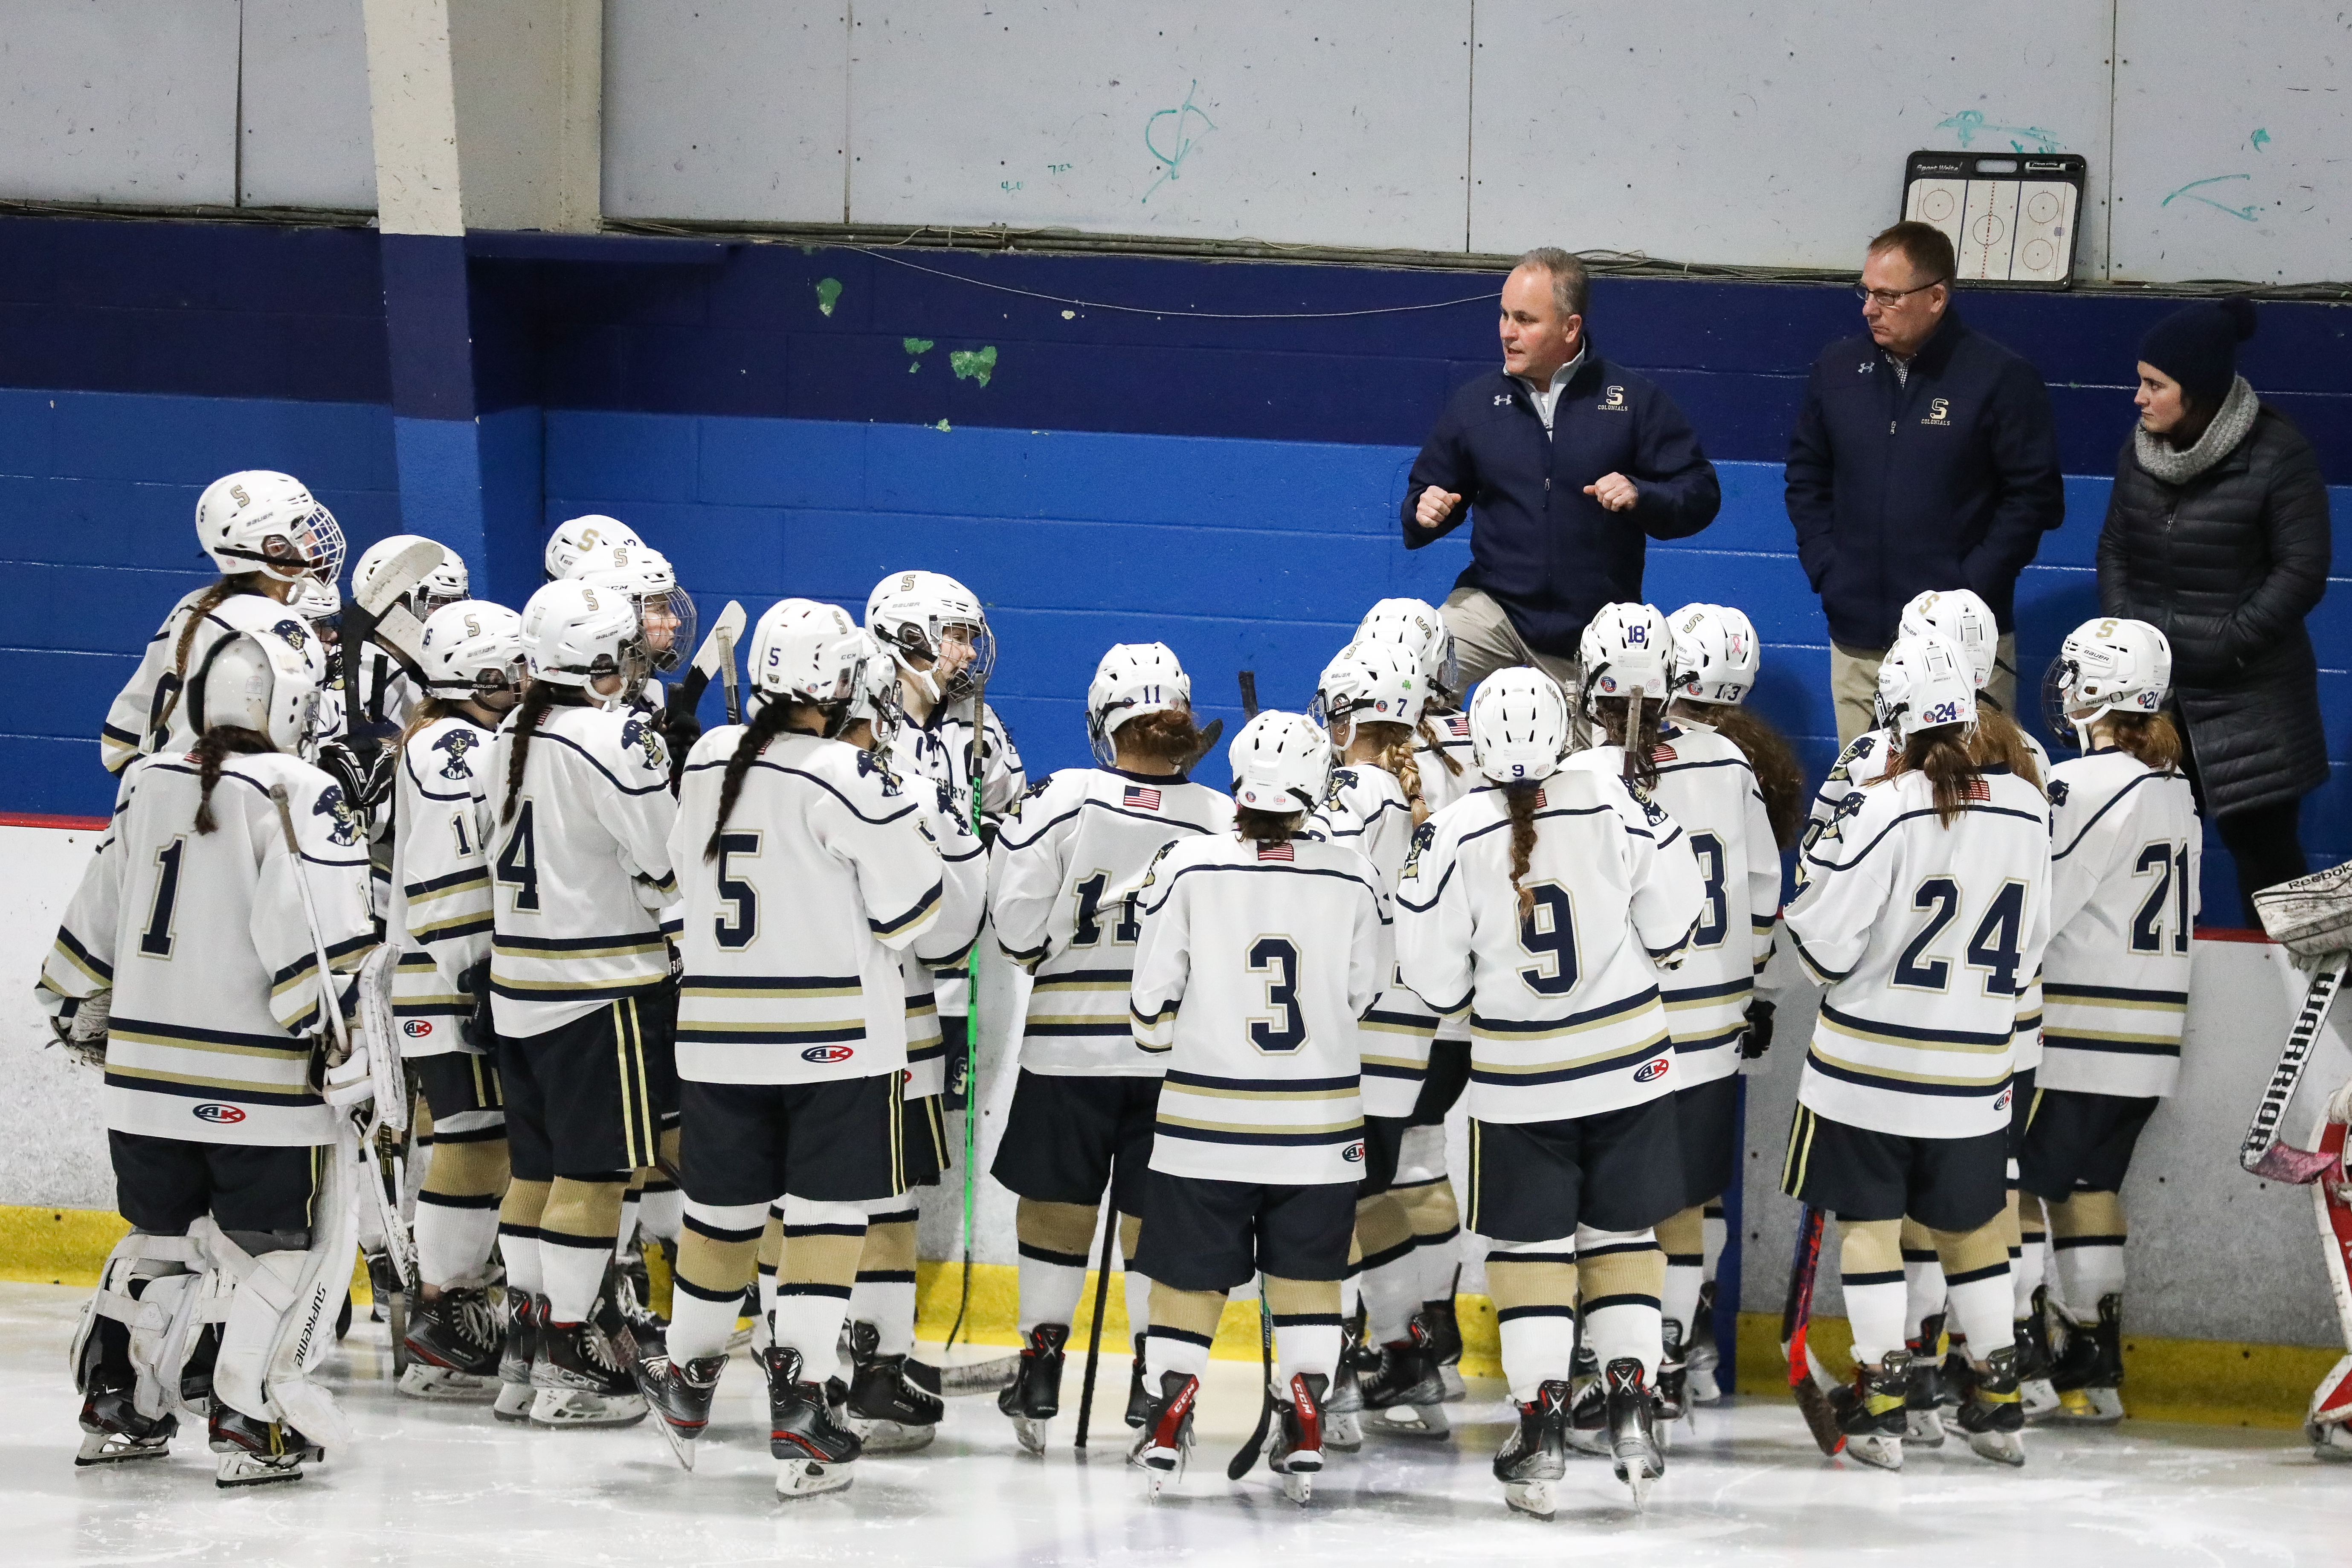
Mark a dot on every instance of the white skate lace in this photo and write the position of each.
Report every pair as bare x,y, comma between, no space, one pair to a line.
600,1350
477,1321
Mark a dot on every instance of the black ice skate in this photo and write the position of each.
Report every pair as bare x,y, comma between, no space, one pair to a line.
1870,1411
2089,1371
636,1331
1673,1374
1535,1456
1035,1396
254,1452
524,1313
1445,1341
453,1346
1138,1398
1343,1407
680,1396
814,1453
1166,1441
112,1429
579,1379
1700,1355
1407,1378
1632,1430
1923,1422
1298,1456
2034,1362
1587,1404
1991,1412
889,1411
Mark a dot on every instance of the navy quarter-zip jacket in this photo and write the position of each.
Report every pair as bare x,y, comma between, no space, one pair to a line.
1541,548
1945,480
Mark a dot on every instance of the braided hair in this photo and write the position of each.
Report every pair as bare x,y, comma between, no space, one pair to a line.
1437,750
214,747
1519,800
527,715
766,724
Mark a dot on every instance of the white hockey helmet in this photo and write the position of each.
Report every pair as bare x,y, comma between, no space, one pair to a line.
875,698
1519,725
1923,683
1715,653
1134,679
1960,618
260,681
472,648
803,650
575,633
572,542
319,602
444,585
1627,650
262,520
1421,631
665,612
915,614
1281,762
1376,682
2108,664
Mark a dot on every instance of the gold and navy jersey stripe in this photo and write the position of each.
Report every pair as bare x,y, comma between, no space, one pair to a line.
1261,1112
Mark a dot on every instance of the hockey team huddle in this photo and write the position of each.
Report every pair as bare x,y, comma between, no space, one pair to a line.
640,986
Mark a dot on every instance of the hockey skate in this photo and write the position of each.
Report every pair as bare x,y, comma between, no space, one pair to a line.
679,1397
636,1330
1535,1456
1343,1406
1445,1342
1923,1420
1990,1412
1138,1398
1870,1411
520,1349
578,1379
1632,1435
1165,1442
453,1346
1298,1456
1588,1405
1034,1396
112,1429
2088,1369
814,1453
889,1410
254,1452
1673,1377
1407,1378
1700,1357
2034,1364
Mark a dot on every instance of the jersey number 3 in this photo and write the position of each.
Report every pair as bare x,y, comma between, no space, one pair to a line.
1276,958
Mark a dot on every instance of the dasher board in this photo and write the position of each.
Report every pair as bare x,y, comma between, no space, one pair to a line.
2011,217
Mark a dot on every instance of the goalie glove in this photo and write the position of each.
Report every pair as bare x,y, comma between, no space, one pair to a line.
80,1027
1759,1037
350,1082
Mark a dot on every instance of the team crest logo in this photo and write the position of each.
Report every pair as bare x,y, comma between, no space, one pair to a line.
647,740
1342,781
344,818
454,748
1423,838
1650,809
296,635
1614,397
2057,792
1850,806
870,764
1152,875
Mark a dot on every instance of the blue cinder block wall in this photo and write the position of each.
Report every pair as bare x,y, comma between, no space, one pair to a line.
1214,463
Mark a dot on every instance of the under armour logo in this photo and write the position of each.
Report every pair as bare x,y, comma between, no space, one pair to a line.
1502,398
1866,366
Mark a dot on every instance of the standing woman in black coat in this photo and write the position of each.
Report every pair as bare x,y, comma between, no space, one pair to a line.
2218,532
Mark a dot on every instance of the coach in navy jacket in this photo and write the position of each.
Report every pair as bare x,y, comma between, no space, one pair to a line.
1924,458
1566,465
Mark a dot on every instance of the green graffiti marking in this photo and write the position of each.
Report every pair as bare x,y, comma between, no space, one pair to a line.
828,290
973,365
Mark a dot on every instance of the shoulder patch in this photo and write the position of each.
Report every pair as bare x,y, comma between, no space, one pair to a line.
1342,781
639,734
1650,809
343,825
455,748
1423,838
869,764
1152,875
1458,724
2056,790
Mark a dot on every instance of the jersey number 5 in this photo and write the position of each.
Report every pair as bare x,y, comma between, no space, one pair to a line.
733,889
1276,958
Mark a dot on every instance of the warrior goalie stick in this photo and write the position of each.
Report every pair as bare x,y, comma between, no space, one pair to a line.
1796,1318
2262,1154
1246,1457
1094,1329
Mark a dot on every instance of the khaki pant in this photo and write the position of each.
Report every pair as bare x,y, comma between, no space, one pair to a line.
1853,683
1484,641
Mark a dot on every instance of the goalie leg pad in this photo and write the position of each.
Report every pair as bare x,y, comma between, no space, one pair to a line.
154,1287
280,1322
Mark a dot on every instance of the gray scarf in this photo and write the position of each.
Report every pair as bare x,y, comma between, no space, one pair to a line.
2167,462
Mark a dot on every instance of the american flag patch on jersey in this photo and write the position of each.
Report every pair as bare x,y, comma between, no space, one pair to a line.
1142,796
1662,753
1277,852
1460,724
1979,790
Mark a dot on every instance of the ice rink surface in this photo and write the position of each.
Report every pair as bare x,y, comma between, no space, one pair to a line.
445,1484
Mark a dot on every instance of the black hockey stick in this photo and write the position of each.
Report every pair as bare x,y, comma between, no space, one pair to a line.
1243,1460
1796,1316
2263,1153
1094,1330
975,767
1249,693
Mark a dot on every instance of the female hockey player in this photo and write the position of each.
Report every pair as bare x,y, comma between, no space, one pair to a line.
808,871
1068,866
576,835
2125,852
189,963
1257,953
1544,902
572,549
440,912
1371,699
1707,786
1924,911
385,694
266,534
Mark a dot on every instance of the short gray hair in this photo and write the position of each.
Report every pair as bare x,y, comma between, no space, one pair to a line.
1569,286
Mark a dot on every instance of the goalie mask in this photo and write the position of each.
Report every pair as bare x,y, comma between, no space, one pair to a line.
1518,726
1715,653
665,613
473,652
2107,666
444,585
1413,625
1134,679
264,522
926,619
574,634
1960,618
806,652
572,542
1281,762
875,698
1374,682
1925,683
260,681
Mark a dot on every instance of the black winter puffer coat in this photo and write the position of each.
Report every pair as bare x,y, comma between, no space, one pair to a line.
2228,566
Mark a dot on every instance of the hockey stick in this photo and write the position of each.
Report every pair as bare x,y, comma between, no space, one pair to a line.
1249,693
2262,1154
715,657
361,616
2331,1197
1796,1317
728,634
1246,1457
975,768
1094,1330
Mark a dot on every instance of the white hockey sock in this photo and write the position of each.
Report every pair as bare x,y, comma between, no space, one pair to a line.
766,1286
1138,1302
699,1326
519,1250
1719,1231
1535,1315
2025,1273
1172,1350
1623,1327
1392,1292
1050,1287
453,1237
626,1241
2088,1268
808,1320
1301,1346
1981,1302
1539,1342
661,1210
575,1277
1923,1289
1680,1302
1874,1307
1351,1293
1438,1259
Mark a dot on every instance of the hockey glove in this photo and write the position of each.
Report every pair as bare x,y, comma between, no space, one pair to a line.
352,773
475,1031
1759,1037
80,1027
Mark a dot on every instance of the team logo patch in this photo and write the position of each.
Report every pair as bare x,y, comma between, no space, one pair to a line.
2056,791
647,740
1142,797
344,819
2006,1096
454,748
417,1028
1423,838
1650,809
297,635
219,1115
1653,1070
824,1055
1353,1153
867,762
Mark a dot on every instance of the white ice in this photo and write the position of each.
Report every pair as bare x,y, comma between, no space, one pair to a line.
437,1484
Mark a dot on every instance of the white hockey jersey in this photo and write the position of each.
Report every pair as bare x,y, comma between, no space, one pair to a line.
138,723
1926,939
203,939
2126,851
1441,788
1565,1019
963,902
827,872
1865,761
941,750
1255,963
1069,868
582,870
1365,808
440,905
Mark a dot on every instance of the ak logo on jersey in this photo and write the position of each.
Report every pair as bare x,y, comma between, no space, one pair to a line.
647,740
1353,1153
1653,1070
454,747
344,817
218,1115
824,1056
2006,1096
417,1028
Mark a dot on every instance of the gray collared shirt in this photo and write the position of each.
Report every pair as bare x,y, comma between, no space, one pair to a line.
1547,398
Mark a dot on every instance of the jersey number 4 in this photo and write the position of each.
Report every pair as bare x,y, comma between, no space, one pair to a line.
1276,958
519,861
1998,946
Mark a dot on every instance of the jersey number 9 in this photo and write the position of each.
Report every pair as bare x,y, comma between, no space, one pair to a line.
1548,934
